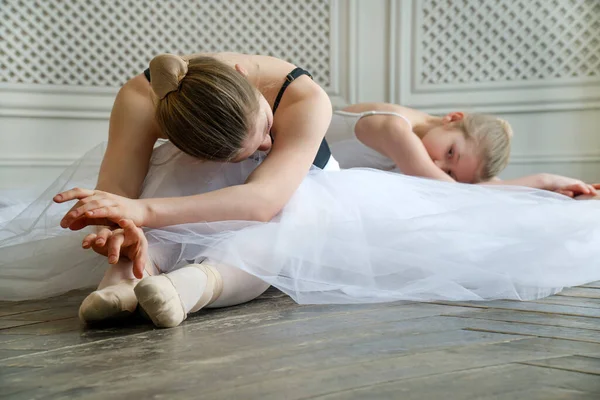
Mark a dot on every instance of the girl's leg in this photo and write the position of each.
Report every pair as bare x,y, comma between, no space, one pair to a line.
168,298
238,287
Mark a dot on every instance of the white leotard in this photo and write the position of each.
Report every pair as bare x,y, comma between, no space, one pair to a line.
351,152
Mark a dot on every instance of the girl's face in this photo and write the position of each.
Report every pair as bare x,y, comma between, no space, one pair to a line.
453,153
259,138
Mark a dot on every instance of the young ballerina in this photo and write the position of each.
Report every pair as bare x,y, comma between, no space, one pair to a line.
214,107
467,148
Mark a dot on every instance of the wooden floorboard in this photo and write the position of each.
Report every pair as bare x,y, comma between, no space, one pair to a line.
585,364
593,285
591,293
272,348
507,381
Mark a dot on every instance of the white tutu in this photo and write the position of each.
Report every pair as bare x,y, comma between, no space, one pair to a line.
351,236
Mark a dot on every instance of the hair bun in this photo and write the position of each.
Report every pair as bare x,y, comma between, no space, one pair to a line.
166,73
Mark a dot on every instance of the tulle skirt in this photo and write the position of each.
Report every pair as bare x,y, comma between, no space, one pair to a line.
351,236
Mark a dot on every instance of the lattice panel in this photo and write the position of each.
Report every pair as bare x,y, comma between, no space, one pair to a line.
105,42
468,41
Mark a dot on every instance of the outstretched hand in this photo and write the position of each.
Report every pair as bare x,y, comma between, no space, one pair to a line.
590,196
96,207
127,241
569,186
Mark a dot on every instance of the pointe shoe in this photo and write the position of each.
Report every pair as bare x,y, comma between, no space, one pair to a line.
116,301
159,300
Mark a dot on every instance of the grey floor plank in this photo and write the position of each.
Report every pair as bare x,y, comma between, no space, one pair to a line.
9,323
7,309
571,301
557,346
240,371
378,372
55,313
12,338
59,334
556,332
7,353
530,306
534,318
543,393
585,364
274,348
508,381
272,336
590,293
45,328
72,298
296,323
593,285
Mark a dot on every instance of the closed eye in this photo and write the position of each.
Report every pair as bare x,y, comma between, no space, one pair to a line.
451,152
267,125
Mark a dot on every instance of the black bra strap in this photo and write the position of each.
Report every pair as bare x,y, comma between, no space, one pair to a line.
297,72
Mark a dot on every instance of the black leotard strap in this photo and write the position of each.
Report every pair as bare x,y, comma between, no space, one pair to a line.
324,153
296,73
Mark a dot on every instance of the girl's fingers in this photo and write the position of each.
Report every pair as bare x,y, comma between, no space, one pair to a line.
132,233
136,236
582,188
94,204
109,211
139,262
126,224
80,211
578,188
114,248
88,240
567,193
103,236
82,222
73,194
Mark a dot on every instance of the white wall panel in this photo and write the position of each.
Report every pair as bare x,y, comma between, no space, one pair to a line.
535,63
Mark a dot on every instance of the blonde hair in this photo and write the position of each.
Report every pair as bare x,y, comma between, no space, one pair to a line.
205,107
492,136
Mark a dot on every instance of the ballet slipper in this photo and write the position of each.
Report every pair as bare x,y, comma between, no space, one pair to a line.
112,302
159,300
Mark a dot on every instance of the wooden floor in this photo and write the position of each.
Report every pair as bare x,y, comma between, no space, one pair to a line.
272,348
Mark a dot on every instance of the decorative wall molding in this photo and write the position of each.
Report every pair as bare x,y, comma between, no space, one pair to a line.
489,60
43,55
516,159
522,159
37,162
30,100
